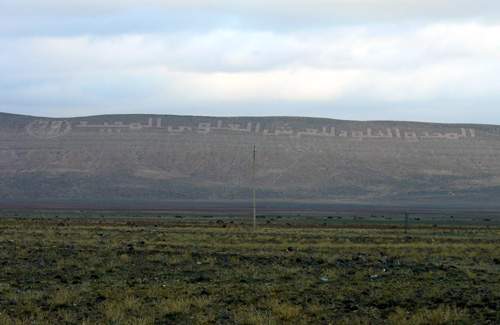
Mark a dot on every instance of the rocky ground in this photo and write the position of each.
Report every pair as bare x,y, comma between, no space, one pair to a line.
164,270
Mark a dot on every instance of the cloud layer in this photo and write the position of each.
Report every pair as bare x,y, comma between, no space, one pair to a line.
348,9
406,60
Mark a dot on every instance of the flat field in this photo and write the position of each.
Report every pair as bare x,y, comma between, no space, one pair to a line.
209,270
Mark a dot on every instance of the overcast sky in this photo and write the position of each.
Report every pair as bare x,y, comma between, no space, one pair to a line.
349,59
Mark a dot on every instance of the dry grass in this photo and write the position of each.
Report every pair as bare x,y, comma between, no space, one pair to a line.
95,271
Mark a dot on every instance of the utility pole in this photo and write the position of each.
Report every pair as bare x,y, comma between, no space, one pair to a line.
253,190
406,222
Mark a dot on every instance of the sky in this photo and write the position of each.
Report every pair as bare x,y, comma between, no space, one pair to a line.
418,60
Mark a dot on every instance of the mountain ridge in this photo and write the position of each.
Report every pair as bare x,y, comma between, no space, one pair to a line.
246,117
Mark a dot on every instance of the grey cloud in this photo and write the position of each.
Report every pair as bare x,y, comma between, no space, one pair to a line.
331,9
364,59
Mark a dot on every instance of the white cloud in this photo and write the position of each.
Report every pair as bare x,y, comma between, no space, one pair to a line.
433,63
287,84
236,51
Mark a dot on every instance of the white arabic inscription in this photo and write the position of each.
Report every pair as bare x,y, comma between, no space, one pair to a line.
255,128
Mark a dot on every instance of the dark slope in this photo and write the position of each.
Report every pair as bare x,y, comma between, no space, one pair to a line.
146,158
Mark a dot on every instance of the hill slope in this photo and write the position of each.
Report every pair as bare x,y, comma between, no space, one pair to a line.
152,158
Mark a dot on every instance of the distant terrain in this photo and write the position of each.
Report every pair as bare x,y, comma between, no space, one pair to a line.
158,160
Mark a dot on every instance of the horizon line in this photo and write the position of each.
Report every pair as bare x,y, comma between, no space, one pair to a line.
249,117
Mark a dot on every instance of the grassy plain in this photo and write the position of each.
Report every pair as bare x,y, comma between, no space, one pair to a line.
209,270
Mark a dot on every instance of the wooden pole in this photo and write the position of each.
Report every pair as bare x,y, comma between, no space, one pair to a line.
254,201
406,222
